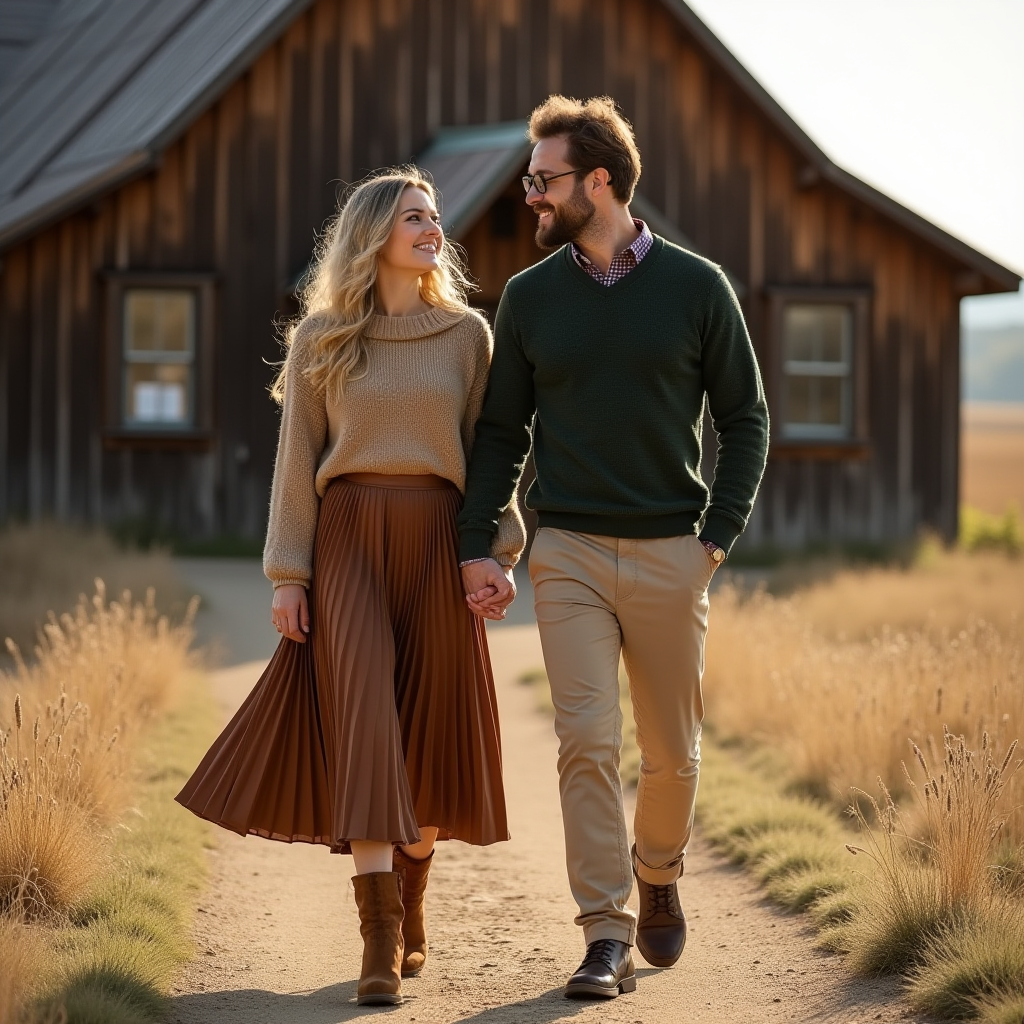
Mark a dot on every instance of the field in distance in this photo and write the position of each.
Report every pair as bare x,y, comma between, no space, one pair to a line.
992,456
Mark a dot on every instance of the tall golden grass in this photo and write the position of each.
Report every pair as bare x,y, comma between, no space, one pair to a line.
48,565
69,721
903,683
843,676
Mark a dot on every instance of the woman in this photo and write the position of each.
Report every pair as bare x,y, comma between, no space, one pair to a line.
374,728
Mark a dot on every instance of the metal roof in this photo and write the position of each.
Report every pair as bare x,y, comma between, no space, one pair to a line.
21,24
107,85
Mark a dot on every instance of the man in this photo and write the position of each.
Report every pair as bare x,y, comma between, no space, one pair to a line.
604,353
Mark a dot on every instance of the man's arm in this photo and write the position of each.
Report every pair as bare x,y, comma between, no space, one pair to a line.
739,412
502,440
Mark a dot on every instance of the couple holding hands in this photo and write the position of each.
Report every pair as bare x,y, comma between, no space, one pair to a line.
394,530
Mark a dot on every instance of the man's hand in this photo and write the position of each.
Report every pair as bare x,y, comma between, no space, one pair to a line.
489,588
290,612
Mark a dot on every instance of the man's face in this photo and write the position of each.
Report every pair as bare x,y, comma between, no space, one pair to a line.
564,210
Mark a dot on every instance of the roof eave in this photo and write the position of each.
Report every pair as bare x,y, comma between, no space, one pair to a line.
69,202
1000,278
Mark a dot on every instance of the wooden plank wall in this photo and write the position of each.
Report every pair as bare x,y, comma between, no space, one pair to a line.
354,84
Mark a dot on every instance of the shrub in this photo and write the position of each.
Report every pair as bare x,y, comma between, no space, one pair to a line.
981,531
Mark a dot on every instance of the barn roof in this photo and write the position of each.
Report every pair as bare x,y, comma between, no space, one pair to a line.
107,84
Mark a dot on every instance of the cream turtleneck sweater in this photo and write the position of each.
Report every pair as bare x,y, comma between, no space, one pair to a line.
414,411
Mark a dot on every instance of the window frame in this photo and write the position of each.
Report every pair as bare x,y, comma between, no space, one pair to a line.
858,299
118,432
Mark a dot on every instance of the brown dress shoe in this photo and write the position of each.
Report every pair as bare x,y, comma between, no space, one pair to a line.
379,899
661,928
414,924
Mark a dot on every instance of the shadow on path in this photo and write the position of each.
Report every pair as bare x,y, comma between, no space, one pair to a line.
337,1003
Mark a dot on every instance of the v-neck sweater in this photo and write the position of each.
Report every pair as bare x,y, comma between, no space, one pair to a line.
609,384
413,411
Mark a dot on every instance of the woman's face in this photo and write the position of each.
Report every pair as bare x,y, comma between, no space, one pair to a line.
416,239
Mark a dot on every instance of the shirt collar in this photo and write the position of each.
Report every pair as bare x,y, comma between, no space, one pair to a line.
640,244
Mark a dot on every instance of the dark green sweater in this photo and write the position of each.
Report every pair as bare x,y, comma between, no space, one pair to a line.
609,384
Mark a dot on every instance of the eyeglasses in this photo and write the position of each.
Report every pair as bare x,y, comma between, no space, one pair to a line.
540,183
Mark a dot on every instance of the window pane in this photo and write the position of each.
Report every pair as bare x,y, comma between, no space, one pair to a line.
830,401
816,333
158,393
798,406
158,320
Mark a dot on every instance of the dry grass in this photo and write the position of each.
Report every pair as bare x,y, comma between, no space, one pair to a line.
933,879
126,940
70,726
844,675
844,682
99,675
21,954
48,565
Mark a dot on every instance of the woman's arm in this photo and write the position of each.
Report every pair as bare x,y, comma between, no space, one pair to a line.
294,503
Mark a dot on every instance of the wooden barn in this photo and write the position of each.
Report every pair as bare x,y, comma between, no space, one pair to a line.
165,167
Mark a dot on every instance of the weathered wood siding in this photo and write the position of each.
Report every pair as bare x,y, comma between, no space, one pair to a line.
354,84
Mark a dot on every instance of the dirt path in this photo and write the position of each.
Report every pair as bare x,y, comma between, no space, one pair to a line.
277,934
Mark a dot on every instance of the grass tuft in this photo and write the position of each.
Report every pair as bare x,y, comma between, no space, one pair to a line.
1001,1010
124,943
968,970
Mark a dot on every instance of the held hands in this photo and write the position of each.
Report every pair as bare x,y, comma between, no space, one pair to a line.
489,588
290,612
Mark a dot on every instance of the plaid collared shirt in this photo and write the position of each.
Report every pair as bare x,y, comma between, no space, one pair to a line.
622,264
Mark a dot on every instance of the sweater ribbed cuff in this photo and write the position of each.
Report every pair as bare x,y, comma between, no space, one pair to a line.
720,530
474,544
290,583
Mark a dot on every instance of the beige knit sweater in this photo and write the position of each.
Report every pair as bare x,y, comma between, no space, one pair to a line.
414,411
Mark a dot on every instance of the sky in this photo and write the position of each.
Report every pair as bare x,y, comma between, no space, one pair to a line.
924,99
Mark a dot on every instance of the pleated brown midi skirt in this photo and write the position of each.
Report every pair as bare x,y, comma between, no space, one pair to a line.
385,719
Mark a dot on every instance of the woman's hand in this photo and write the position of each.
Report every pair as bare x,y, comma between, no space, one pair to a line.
489,587
290,612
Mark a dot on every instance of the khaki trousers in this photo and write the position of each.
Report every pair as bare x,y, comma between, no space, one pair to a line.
596,597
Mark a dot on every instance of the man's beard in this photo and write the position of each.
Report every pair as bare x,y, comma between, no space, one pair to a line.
567,220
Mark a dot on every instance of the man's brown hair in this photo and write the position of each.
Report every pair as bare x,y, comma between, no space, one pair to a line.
598,136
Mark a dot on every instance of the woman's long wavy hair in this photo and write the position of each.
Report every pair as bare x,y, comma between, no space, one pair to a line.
340,287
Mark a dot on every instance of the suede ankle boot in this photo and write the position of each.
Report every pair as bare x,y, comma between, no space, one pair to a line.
414,925
379,899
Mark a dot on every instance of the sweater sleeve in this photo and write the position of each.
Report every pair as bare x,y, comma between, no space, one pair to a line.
509,539
503,438
294,503
739,413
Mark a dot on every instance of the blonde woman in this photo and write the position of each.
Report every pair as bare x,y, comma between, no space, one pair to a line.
373,730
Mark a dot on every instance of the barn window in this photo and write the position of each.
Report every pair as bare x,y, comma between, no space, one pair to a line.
159,357
817,370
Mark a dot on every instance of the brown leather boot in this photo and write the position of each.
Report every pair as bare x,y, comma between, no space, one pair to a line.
379,899
414,925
